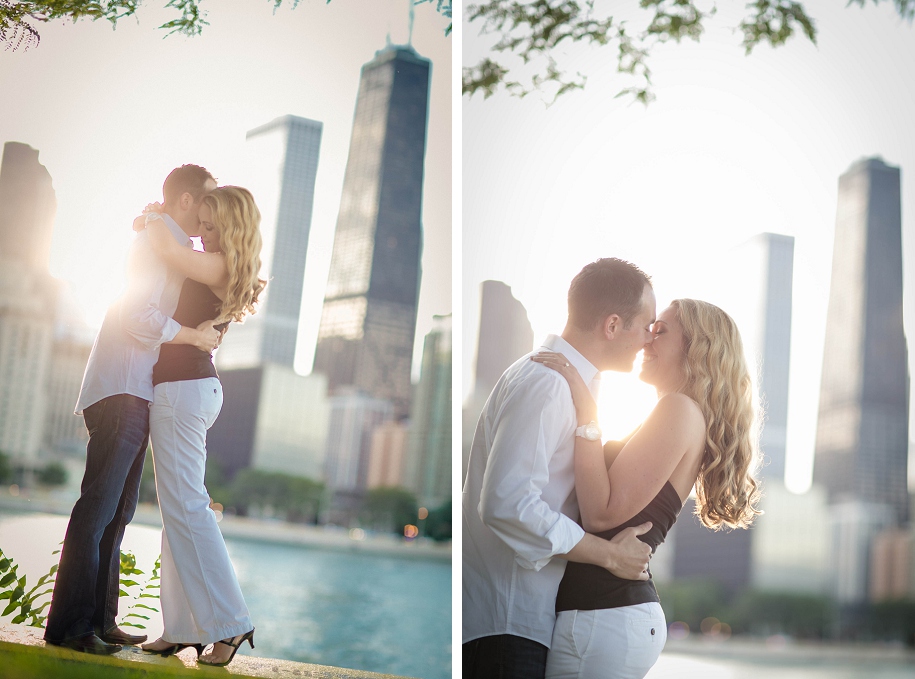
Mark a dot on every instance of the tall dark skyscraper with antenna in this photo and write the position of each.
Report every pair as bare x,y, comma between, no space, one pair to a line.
368,322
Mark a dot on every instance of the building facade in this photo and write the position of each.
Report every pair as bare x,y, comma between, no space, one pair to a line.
862,430
28,206
387,455
505,336
281,162
272,419
28,300
763,269
368,322
354,416
428,470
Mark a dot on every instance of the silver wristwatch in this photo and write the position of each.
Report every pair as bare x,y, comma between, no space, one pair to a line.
590,431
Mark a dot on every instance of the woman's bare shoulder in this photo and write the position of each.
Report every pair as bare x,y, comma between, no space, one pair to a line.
681,410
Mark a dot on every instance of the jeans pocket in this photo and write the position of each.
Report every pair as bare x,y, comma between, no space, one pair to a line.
94,415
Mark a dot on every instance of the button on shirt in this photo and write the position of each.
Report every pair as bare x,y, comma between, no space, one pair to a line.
136,325
519,506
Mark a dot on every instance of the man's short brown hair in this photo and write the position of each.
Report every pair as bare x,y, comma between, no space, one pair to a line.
190,179
607,286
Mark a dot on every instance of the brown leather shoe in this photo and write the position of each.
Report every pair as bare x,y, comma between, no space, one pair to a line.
89,644
116,635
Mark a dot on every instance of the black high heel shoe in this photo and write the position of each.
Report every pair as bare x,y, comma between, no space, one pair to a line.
174,648
233,643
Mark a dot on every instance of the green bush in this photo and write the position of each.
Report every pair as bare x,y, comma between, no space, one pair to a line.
148,480
438,523
296,498
27,607
6,470
389,509
54,474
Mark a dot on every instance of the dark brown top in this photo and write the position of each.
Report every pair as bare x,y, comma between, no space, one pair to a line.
586,587
178,362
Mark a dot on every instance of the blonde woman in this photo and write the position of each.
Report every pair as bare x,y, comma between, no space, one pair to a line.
202,603
701,433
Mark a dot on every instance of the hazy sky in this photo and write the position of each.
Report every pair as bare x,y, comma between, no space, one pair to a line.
733,146
113,111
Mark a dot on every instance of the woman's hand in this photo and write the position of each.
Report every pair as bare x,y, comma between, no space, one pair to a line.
585,407
140,222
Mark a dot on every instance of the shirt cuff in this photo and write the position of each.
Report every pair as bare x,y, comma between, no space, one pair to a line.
171,329
563,536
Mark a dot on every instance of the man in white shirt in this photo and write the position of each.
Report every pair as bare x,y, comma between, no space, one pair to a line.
114,400
519,504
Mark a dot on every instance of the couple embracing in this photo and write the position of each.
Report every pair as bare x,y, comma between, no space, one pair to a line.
150,376
547,594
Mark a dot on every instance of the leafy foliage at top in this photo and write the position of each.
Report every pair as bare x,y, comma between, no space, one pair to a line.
532,30
19,19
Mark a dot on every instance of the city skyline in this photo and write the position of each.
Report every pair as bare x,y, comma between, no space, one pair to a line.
303,61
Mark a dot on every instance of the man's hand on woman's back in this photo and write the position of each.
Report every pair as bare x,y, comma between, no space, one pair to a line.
631,555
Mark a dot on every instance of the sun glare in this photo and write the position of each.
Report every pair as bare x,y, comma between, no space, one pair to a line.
624,403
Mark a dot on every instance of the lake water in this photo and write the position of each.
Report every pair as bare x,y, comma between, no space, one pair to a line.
376,613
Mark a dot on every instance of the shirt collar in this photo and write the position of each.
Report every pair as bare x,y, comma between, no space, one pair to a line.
587,371
177,231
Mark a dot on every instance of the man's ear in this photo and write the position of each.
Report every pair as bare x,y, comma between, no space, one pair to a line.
187,200
611,325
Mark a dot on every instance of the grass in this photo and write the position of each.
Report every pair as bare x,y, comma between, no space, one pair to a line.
37,662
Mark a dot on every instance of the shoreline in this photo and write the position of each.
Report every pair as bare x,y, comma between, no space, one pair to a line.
778,648
273,531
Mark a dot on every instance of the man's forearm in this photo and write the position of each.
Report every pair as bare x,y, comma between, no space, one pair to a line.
625,555
593,550
190,336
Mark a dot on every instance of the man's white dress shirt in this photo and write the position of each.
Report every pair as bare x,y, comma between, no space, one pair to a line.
135,326
519,506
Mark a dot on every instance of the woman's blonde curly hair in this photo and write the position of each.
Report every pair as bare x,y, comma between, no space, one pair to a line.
718,380
237,218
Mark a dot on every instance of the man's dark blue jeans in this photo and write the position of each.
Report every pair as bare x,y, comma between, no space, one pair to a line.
86,590
503,656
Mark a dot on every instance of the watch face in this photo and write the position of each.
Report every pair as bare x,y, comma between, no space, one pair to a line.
592,432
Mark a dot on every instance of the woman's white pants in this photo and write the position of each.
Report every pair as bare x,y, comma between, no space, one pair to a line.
199,593
611,643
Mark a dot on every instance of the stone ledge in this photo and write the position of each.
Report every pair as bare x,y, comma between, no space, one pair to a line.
29,641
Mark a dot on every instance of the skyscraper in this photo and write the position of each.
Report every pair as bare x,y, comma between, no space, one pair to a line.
368,322
28,300
28,206
429,453
762,276
281,166
862,430
505,336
